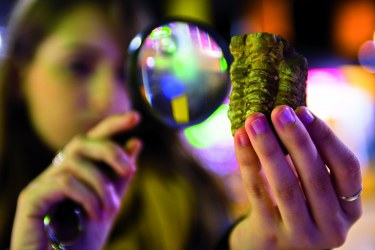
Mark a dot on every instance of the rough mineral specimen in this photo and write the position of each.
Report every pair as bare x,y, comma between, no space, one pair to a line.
266,72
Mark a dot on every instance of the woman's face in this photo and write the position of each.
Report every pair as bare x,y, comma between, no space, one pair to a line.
75,78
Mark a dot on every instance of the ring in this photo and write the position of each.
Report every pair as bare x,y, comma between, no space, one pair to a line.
352,198
58,159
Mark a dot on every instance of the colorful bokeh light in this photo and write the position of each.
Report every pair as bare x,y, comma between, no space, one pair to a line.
161,32
216,129
366,56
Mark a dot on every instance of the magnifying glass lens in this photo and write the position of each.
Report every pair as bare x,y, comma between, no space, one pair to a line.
182,72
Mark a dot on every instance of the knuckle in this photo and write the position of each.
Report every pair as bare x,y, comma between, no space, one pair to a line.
256,190
356,214
352,169
23,196
67,181
246,160
336,230
304,237
25,193
74,144
324,133
288,191
111,149
270,240
320,184
337,236
305,241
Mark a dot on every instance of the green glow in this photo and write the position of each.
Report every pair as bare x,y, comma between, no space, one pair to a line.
169,45
215,129
223,64
160,32
47,220
185,66
162,63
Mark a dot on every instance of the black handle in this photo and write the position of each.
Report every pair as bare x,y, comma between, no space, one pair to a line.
64,224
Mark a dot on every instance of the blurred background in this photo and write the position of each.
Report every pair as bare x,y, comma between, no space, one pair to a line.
338,39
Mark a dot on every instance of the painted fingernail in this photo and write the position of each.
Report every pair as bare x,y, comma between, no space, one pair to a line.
306,116
259,125
286,117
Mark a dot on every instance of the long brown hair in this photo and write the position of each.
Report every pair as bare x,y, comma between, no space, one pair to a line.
164,154
30,23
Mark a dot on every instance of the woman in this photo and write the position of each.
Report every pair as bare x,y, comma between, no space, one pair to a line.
63,89
62,76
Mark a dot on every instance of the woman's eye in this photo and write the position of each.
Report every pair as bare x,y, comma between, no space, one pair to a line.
80,68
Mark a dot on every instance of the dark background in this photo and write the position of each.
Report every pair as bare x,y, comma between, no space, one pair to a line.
225,10
311,23
5,7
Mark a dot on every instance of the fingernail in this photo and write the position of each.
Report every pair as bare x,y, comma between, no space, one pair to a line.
306,116
134,117
259,125
286,117
244,140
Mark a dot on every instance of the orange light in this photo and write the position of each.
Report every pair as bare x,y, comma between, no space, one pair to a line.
272,16
353,24
360,78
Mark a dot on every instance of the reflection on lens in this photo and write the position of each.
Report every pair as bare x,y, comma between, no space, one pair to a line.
183,73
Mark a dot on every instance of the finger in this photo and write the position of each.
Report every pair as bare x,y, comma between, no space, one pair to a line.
114,125
133,148
312,172
88,174
280,176
253,178
343,164
104,151
40,196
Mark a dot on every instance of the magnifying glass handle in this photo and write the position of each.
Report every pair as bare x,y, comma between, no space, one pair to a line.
64,224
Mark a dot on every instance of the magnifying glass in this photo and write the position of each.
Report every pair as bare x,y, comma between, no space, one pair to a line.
179,69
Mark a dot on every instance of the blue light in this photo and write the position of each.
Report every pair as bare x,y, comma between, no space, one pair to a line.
135,43
2,41
171,86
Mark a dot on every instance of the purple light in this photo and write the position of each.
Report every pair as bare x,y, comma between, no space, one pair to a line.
366,56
